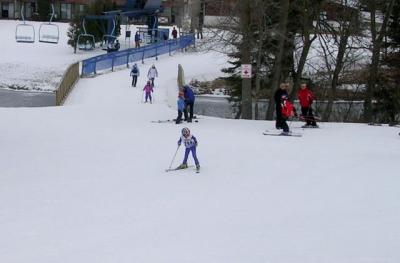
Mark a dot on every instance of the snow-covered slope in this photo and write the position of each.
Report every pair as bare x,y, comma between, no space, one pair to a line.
86,183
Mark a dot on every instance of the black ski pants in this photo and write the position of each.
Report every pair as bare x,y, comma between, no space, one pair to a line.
189,111
308,116
179,118
281,121
134,80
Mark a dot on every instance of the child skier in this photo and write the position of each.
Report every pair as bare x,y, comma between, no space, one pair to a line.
135,74
148,89
287,111
306,98
181,107
190,143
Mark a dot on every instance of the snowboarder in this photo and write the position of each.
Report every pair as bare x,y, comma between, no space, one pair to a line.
306,98
190,143
152,74
189,102
135,73
181,108
282,91
148,89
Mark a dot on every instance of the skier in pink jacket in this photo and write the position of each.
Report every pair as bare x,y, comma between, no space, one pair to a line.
148,89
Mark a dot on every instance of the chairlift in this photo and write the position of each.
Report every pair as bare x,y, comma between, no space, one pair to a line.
86,41
109,38
24,33
49,32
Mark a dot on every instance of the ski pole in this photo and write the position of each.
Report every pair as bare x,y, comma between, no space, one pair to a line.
173,158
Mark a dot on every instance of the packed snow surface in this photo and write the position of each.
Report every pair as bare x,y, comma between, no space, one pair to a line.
87,183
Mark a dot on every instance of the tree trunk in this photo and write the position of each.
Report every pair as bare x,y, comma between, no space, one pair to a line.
245,58
335,78
300,66
279,56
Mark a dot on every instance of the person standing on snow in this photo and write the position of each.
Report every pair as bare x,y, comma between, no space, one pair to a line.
152,74
148,89
174,33
189,102
306,98
190,143
287,111
137,39
135,73
181,108
282,91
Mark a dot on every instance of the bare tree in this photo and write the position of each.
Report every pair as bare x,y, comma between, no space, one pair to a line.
336,47
310,13
377,36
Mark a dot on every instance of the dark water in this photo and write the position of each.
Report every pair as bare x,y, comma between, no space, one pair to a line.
221,107
11,98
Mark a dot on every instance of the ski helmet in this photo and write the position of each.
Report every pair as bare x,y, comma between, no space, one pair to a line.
185,132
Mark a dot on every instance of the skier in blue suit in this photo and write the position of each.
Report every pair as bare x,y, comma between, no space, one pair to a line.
190,143
189,101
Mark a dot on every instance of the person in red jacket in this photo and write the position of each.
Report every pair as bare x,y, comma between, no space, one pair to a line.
306,98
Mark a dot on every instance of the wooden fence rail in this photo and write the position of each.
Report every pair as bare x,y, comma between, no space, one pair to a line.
70,77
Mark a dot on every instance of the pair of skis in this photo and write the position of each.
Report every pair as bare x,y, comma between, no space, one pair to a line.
293,134
170,121
178,169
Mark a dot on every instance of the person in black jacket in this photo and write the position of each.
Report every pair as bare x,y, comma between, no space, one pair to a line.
281,92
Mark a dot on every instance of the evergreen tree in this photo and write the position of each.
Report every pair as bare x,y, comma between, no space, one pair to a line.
44,10
96,27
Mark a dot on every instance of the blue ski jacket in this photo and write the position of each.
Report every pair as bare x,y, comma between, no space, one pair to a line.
189,94
181,104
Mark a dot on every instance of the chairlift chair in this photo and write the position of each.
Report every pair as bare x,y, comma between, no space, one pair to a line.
109,38
49,32
86,41
24,33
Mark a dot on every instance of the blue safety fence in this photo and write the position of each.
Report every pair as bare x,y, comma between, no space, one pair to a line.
109,61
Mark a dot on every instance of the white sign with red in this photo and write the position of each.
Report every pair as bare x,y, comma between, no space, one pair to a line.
246,71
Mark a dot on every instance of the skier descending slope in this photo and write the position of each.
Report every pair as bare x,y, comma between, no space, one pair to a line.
148,89
190,143
135,73
152,74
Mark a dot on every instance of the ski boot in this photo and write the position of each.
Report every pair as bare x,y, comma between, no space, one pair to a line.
182,166
198,168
